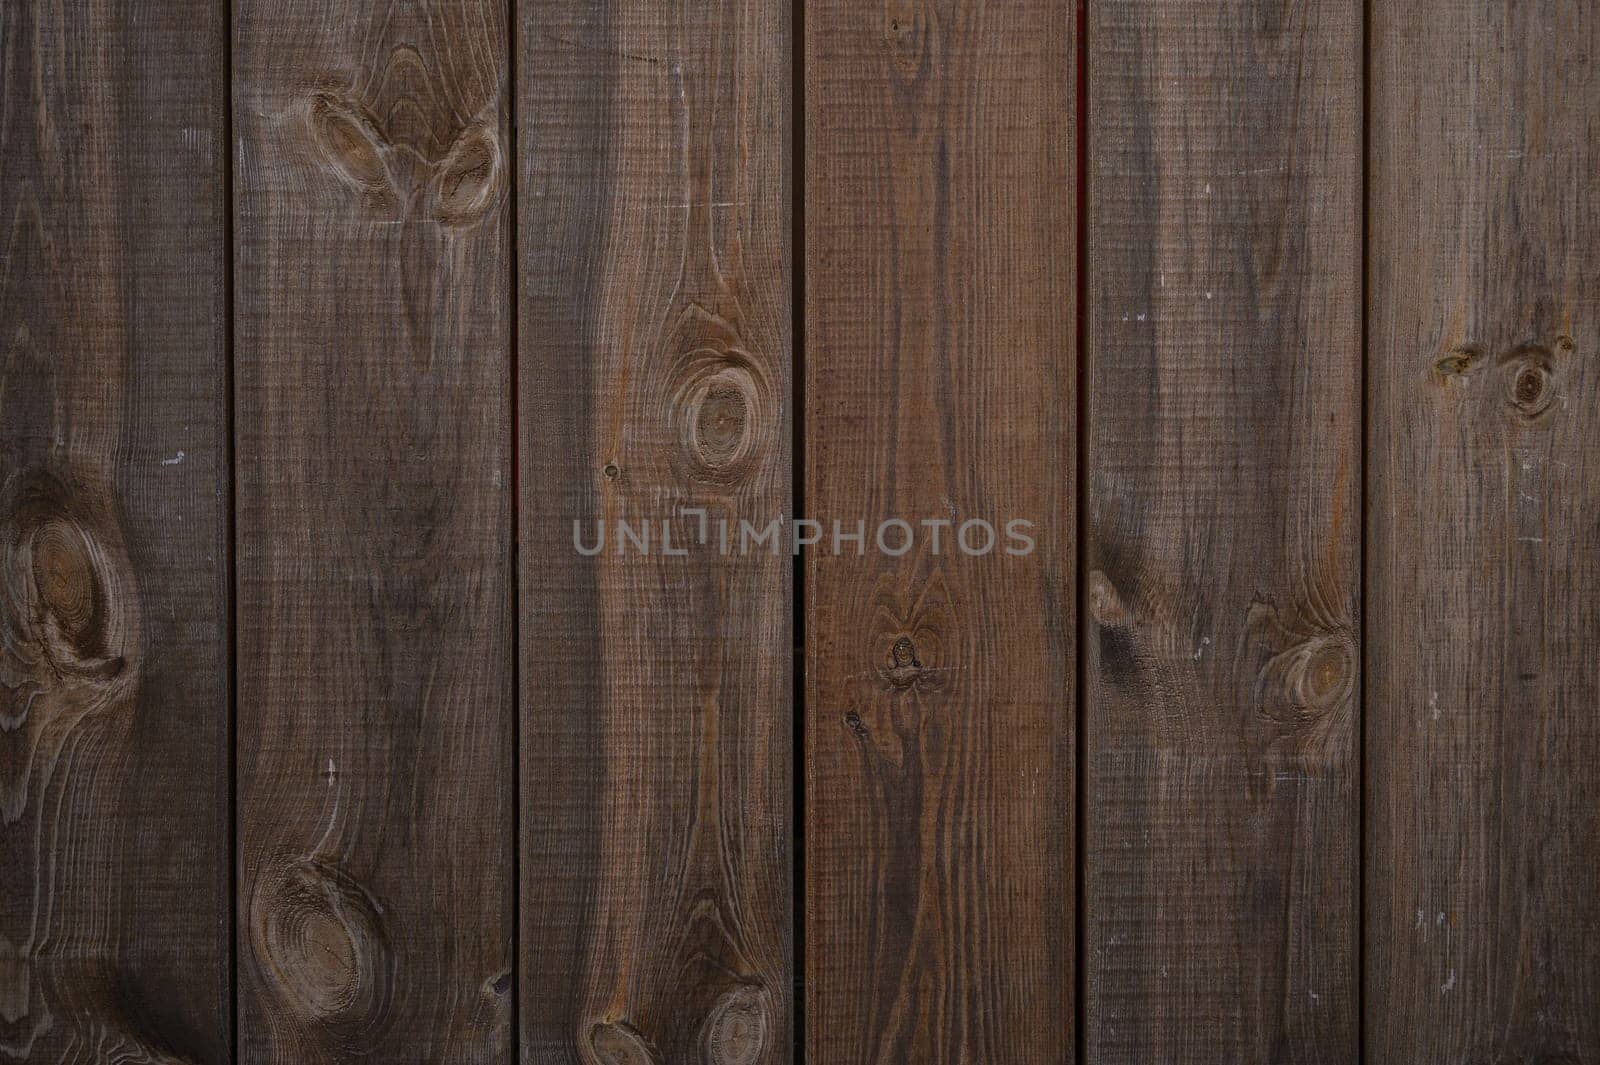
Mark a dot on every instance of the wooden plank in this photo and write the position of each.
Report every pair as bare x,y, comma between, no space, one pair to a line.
940,386
654,377
374,565
1222,570
1483,892
114,899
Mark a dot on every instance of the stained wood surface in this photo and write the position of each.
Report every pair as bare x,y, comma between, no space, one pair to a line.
1483,920
113,570
375,664
654,376
1222,577
940,310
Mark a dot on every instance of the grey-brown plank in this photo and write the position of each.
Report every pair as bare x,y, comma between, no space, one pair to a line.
1222,572
1483,755
654,377
940,387
373,531
114,894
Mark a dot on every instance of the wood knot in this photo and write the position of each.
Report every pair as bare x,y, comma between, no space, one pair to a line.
457,191
1312,670
354,150
1530,372
320,938
905,667
1323,671
1457,362
904,653
722,406
468,183
69,618
735,1031
617,1043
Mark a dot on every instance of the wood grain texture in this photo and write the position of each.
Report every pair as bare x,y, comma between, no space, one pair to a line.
1483,898
373,531
654,376
940,386
114,894
1222,572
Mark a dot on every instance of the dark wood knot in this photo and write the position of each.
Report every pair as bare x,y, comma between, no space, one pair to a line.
469,183
354,150
724,411
320,937
736,1029
1530,371
69,616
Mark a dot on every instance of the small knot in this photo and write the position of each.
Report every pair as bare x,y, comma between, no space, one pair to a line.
354,150
467,184
905,653
1458,361
735,1031
319,935
722,404
1532,383
906,667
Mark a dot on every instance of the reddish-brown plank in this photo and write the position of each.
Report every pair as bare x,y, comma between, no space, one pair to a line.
940,387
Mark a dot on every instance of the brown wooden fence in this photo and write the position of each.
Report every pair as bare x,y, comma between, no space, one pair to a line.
912,532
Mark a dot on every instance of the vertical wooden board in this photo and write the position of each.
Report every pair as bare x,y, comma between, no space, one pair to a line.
1483,920
940,387
373,529
1222,570
114,902
654,377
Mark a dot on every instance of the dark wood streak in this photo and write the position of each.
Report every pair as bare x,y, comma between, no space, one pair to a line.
113,604
940,247
1222,687
654,373
1483,902
373,425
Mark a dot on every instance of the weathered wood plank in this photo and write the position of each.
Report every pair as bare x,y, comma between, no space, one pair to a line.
1483,885
940,386
114,895
1222,574
654,376
373,531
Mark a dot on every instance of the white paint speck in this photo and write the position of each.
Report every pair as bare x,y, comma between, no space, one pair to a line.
174,460
1433,705
1450,984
